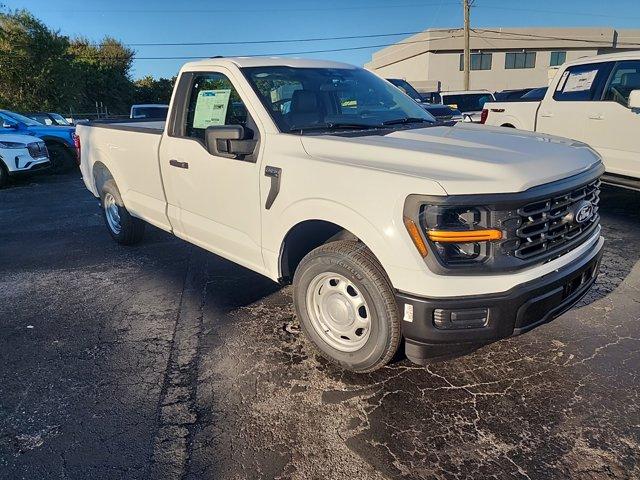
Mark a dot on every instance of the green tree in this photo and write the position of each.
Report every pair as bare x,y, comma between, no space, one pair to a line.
150,90
34,64
103,74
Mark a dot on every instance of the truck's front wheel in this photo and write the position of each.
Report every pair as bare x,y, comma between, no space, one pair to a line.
123,227
346,306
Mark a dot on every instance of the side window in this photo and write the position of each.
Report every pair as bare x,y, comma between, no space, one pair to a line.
582,83
624,78
213,100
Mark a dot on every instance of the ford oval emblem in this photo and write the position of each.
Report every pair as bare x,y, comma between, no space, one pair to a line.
583,212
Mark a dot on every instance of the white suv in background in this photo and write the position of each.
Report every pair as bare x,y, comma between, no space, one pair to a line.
21,154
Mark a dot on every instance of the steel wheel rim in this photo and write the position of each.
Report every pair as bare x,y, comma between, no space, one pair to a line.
338,312
112,213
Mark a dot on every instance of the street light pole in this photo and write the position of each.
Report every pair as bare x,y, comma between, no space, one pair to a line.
467,50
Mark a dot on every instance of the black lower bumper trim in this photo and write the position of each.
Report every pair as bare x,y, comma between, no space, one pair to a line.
36,167
516,311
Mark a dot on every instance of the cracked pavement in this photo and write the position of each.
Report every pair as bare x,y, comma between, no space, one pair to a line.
165,361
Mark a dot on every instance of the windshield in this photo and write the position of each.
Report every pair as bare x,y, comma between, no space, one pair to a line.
331,98
29,122
468,102
59,119
42,118
407,88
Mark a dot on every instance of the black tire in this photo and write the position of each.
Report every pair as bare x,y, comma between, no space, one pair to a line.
4,176
61,157
357,264
131,228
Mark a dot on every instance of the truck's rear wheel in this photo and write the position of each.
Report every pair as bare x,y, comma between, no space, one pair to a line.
123,227
346,306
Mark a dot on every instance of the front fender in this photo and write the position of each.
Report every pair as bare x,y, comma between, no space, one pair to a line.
386,240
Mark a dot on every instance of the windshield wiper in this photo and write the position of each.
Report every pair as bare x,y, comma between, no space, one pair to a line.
334,126
401,121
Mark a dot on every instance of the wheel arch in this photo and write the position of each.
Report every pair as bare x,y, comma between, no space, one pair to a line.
302,238
56,140
100,174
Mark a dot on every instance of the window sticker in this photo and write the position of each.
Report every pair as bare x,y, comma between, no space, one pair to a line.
580,81
211,108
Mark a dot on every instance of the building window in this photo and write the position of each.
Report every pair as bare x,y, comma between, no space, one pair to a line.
479,61
520,60
557,58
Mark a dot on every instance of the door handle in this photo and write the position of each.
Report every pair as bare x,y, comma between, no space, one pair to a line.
546,114
596,116
176,163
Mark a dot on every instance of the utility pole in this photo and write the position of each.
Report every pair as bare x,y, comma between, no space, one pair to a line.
467,50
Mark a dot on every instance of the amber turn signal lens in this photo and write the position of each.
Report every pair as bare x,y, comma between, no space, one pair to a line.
465,236
414,233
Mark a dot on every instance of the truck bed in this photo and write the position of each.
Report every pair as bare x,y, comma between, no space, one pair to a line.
520,115
130,149
146,126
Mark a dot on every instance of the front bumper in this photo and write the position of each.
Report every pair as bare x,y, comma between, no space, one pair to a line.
24,165
514,312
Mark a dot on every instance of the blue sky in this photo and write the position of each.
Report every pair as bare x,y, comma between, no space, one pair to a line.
168,21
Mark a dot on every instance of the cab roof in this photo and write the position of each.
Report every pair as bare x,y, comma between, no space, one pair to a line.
608,57
264,62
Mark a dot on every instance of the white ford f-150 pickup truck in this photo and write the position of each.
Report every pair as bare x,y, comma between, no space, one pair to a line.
594,100
390,229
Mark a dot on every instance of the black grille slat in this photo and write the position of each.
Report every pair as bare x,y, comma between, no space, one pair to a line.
543,230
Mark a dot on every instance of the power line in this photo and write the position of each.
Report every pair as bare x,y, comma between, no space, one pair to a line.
259,10
279,54
252,42
557,12
532,36
521,36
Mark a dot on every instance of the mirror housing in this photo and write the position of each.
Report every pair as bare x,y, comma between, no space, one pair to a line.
634,99
231,141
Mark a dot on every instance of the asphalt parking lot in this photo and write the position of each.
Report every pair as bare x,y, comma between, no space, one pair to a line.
165,361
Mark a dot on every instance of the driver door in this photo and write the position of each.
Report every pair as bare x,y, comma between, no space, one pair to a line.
213,201
612,126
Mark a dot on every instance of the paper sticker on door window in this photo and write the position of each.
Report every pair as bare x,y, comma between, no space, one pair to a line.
579,81
211,108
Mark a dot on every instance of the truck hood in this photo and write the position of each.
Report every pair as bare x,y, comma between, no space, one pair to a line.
463,159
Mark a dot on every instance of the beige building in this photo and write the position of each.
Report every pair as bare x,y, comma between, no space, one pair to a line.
501,58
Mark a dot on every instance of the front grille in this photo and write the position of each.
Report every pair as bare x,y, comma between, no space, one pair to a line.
37,150
548,226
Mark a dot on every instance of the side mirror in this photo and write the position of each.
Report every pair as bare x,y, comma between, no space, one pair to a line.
231,141
634,99
6,124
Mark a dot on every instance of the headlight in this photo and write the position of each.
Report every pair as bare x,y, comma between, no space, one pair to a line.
457,235
5,144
